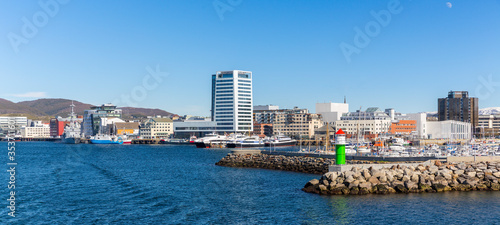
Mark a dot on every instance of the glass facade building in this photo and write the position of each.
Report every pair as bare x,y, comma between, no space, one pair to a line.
232,101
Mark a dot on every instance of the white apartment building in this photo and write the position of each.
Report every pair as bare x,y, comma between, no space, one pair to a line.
232,101
449,129
41,131
331,112
371,121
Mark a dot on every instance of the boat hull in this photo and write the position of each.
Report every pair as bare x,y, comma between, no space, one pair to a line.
281,144
106,142
244,145
71,140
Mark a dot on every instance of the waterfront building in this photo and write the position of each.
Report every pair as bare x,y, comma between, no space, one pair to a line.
449,129
16,121
296,122
93,118
193,127
331,112
265,114
232,101
420,123
263,129
154,128
403,127
128,128
489,125
39,130
459,106
370,122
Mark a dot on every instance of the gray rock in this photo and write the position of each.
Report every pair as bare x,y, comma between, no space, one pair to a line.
414,178
331,176
366,185
373,180
383,179
411,185
459,172
349,179
471,174
496,174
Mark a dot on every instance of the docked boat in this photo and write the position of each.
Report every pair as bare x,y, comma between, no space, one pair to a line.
210,140
108,139
251,142
280,140
72,132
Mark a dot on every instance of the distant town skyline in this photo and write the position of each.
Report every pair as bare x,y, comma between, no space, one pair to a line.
388,54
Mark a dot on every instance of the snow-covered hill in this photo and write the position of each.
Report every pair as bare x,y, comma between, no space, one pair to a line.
489,111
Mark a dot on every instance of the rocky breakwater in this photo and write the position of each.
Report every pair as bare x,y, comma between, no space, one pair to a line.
278,162
437,177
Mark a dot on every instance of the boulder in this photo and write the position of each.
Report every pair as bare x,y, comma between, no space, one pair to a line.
382,179
367,185
354,191
411,185
349,179
366,174
496,174
401,188
374,180
471,174
331,176
424,187
495,187
438,187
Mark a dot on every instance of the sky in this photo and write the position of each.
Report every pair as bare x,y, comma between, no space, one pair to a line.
161,54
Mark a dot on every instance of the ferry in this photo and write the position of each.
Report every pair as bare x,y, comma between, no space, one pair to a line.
280,140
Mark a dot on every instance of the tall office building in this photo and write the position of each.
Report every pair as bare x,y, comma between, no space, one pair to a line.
458,106
232,101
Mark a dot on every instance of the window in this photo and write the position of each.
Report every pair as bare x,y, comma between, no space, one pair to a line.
231,91
243,84
224,95
224,106
246,81
244,99
219,88
225,84
245,106
246,88
225,75
244,92
225,102
244,95
245,75
224,124
230,109
225,99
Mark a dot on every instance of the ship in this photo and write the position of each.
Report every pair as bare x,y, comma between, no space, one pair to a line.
72,132
251,142
280,140
109,139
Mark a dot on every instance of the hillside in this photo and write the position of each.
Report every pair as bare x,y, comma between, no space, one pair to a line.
56,106
52,107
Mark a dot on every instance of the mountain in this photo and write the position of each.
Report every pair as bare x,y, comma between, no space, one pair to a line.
52,107
489,111
56,106
8,107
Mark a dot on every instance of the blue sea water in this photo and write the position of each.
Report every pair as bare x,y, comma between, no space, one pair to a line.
140,184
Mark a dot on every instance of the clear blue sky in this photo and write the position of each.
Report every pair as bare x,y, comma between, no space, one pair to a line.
96,51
